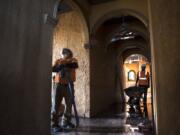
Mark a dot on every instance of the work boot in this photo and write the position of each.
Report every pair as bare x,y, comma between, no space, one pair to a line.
56,128
68,125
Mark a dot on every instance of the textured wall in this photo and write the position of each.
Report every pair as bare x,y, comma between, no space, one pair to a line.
165,33
70,33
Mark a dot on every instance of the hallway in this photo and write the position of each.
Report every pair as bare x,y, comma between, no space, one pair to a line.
102,34
115,122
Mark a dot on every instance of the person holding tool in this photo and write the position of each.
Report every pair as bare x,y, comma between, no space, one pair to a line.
65,68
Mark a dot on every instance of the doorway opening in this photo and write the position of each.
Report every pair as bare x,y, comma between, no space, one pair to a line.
99,67
132,65
140,112
71,32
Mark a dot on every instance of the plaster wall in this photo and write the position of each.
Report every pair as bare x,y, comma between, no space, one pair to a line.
165,32
25,55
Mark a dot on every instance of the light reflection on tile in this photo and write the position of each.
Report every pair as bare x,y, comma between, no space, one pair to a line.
115,123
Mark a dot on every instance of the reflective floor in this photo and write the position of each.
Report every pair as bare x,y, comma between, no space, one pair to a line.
132,120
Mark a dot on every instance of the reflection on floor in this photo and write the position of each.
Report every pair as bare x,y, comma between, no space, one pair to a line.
131,121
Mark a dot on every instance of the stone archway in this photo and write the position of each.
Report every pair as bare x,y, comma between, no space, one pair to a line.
72,32
118,13
106,78
126,49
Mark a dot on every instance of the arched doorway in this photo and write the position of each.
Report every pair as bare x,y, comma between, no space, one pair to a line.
114,38
132,66
71,32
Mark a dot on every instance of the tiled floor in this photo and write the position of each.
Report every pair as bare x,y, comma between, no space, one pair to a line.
115,122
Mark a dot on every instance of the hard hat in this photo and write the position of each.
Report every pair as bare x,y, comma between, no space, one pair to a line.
143,65
67,52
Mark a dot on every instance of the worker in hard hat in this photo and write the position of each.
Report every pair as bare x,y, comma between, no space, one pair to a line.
143,81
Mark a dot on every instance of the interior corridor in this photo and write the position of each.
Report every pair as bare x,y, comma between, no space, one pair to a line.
111,41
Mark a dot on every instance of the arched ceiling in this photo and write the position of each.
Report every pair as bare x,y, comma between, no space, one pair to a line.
125,27
128,53
124,33
121,29
94,2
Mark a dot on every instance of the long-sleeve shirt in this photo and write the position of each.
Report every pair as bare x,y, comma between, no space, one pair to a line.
62,66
